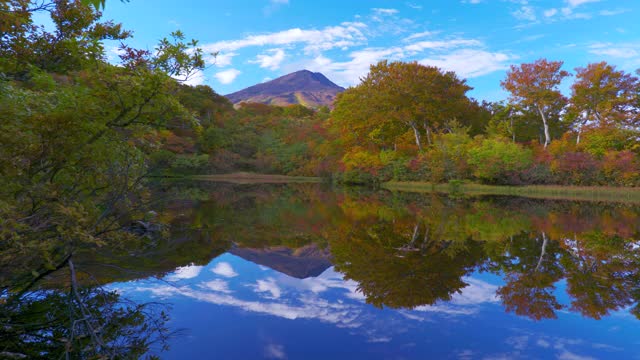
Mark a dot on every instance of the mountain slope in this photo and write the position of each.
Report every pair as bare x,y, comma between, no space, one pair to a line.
301,263
301,87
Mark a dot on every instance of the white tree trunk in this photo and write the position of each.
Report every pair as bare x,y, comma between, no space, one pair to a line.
513,131
545,240
428,132
417,135
547,137
578,138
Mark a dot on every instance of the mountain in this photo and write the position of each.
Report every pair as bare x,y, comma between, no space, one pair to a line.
301,87
307,261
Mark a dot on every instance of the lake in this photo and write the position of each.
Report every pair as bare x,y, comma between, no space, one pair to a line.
304,271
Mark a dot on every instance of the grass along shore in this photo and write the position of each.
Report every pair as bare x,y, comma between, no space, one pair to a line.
589,193
253,178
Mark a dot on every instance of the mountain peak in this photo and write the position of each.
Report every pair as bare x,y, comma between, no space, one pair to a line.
303,87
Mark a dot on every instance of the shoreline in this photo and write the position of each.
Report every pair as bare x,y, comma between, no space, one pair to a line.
253,178
554,192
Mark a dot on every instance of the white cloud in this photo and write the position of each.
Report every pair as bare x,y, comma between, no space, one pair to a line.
567,355
620,51
185,272
224,268
566,13
196,78
518,342
419,35
268,285
465,56
446,309
274,351
543,343
385,11
613,12
227,76
349,72
383,339
222,59
271,62
114,53
466,302
343,315
217,285
435,45
346,34
329,279
576,3
477,292
470,63
526,12
273,6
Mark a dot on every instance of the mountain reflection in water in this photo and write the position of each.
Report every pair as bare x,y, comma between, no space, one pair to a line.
305,271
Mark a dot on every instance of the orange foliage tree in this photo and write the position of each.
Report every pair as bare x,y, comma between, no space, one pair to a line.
535,86
396,98
603,96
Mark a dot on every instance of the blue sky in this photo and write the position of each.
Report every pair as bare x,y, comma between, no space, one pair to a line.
260,40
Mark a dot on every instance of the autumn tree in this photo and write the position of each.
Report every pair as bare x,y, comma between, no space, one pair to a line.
396,97
603,96
535,86
76,135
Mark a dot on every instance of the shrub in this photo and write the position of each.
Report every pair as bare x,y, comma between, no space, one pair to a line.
577,168
598,141
162,158
447,159
621,168
190,162
496,160
356,177
362,160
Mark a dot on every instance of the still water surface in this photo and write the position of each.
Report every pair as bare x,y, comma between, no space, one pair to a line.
305,272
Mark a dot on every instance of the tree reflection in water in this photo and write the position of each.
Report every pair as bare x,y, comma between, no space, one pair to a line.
66,320
409,250
403,250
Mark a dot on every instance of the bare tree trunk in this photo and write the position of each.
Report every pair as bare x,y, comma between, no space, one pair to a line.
582,124
87,317
547,137
425,240
427,132
415,235
513,130
417,135
578,138
545,240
